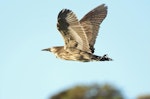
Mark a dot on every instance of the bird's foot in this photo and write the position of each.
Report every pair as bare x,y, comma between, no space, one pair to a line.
105,58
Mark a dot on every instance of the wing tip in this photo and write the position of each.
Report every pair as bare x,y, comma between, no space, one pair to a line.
103,6
63,13
62,23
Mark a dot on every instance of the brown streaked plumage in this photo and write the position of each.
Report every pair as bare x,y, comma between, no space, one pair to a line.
79,36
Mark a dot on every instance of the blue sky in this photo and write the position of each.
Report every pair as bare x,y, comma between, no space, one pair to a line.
27,26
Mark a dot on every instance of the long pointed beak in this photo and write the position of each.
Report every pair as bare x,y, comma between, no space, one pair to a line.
47,49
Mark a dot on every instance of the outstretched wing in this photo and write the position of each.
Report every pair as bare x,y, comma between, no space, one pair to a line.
72,31
91,22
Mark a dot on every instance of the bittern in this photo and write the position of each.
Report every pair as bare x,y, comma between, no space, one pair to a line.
79,36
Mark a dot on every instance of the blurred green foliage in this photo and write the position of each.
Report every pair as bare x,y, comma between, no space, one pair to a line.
90,92
144,96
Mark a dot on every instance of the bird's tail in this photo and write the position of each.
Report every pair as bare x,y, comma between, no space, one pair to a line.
101,58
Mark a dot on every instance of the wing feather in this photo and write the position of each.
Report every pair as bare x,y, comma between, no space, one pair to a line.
91,22
71,30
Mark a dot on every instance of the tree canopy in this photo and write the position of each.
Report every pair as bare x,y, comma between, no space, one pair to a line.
90,92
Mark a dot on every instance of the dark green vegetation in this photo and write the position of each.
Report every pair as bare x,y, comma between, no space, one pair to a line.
90,92
94,92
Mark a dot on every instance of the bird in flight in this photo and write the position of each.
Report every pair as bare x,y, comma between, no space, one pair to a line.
79,36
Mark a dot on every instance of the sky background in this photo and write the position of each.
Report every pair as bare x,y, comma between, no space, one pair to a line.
27,26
